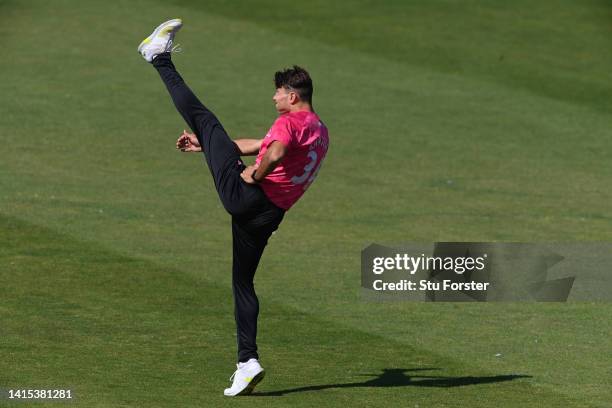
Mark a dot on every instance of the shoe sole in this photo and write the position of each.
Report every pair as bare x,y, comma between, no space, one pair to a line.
157,30
256,380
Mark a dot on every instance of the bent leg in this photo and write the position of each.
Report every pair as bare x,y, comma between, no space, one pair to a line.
222,155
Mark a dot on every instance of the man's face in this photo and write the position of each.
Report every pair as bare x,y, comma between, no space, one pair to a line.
282,99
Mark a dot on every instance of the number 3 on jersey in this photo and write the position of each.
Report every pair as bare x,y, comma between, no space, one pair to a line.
307,177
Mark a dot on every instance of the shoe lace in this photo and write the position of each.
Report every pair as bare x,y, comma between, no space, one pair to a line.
170,47
177,48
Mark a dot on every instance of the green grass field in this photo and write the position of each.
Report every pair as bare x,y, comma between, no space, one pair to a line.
449,121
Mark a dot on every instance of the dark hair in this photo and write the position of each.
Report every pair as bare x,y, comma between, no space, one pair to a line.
296,79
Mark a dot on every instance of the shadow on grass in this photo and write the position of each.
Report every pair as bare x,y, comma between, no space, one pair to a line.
401,377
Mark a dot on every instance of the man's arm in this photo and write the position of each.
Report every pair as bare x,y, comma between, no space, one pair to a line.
188,142
273,157
248,147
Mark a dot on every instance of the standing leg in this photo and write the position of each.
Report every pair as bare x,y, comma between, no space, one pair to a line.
250,237
222,155
246,255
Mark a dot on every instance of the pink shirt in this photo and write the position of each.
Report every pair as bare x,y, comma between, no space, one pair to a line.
306,139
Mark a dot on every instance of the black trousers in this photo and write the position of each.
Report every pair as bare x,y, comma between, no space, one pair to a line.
254,217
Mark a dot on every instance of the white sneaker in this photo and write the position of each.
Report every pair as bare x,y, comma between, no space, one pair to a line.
160,40
246,377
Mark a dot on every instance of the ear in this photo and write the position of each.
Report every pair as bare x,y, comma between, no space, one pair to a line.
293,98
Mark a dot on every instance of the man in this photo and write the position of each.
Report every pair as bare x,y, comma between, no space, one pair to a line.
255,196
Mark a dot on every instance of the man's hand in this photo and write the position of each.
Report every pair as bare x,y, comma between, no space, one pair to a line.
247,174
188,142
272,158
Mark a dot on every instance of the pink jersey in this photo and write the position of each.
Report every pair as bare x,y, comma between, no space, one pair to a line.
306,139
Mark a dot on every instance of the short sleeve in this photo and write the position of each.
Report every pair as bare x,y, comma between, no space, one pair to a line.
281,130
